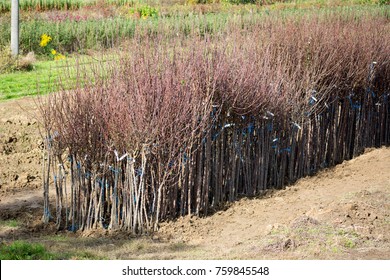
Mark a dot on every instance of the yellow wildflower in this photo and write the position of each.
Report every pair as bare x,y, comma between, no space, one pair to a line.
45,39
59,57
53,52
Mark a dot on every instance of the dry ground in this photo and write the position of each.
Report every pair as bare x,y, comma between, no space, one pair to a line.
342,213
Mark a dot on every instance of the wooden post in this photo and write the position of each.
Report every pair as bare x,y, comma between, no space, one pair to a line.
15,27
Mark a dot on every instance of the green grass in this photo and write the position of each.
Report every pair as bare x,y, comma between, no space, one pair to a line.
10,223
349,243
39,80
20,250
65,247
23,250
46,77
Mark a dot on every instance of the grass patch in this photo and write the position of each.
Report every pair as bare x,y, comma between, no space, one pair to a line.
312,238
58,238
45,77
18,84
21,250
349,243
10,223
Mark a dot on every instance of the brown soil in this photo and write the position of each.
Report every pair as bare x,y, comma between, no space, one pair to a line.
341,213
20,144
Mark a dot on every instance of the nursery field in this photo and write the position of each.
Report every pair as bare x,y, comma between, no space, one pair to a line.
341,213
161,130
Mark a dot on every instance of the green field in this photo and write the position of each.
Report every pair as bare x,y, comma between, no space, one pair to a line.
46,76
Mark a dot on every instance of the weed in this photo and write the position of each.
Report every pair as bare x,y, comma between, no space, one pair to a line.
10,63
26,63
144,12
349,243
7,60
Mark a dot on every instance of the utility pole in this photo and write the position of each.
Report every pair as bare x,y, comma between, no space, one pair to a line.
15,27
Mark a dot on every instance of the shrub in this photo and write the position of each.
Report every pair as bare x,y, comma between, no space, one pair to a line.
10,63
144,12
7,61
26,63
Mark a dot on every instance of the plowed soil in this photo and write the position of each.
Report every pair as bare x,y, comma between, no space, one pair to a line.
341,213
